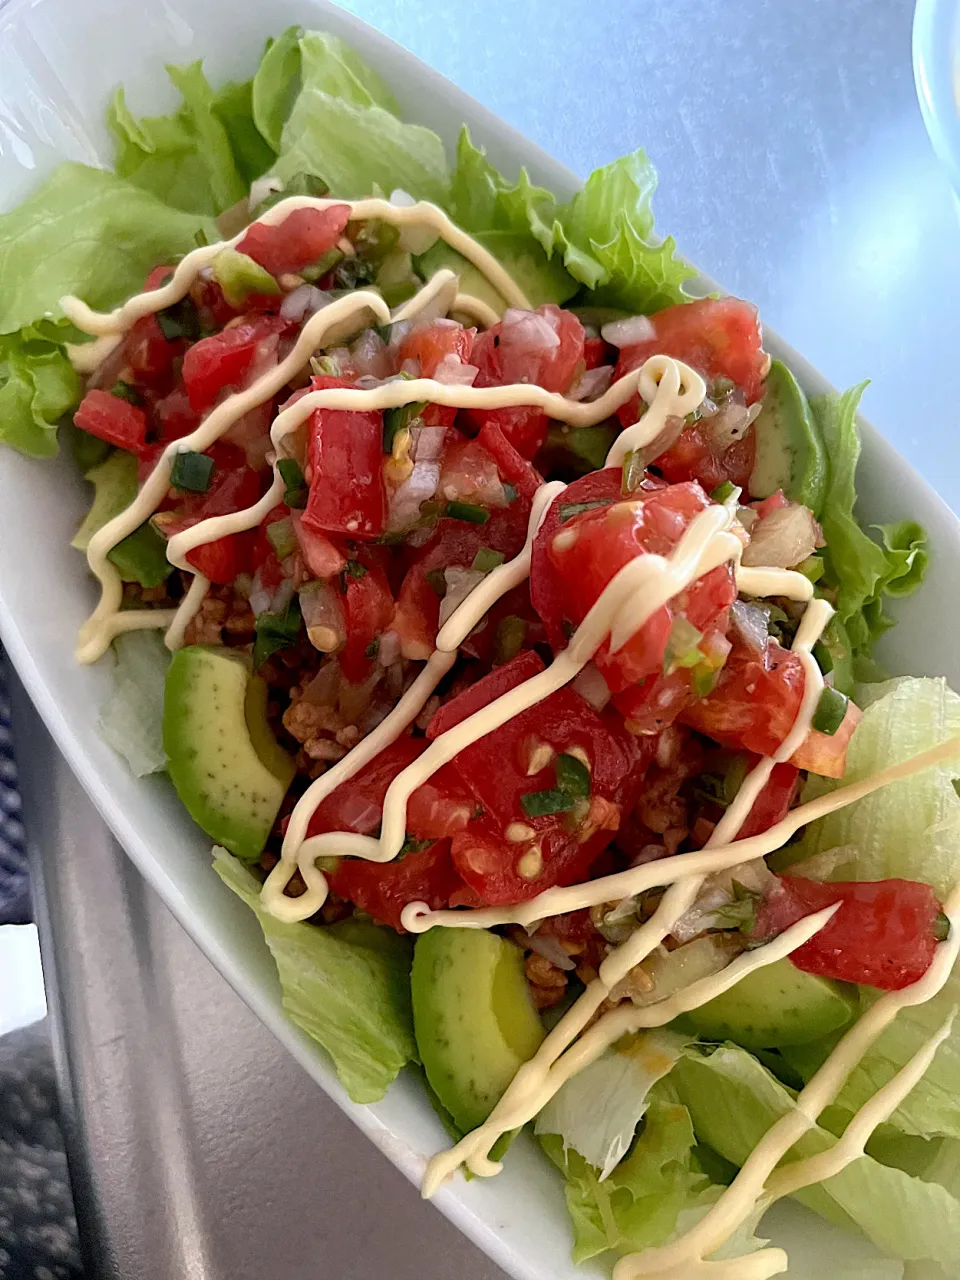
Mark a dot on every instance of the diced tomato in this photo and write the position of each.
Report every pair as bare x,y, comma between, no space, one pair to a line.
416,617
882,936
112,419
430,344
222,362
302,238
148,354
322,557
157,278
367,611
775,502
470,474
543,347
233,487
719,337
265,561
655,702
594,545
345,455
826,753
383,889
692,458
774,801
147,459
500,768
520,669
513,468
175,416
357,804
597,352
755,704
440,807
598,489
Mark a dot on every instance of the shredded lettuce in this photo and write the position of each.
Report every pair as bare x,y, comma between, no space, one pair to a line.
597,1111
132,717
186,158
347,985
733,1102
859,571
343,128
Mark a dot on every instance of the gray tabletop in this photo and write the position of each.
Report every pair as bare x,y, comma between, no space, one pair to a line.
795,170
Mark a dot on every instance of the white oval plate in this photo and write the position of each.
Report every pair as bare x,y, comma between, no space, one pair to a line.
52,94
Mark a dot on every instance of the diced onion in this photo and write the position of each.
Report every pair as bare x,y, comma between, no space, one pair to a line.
405,501
265,600
718,892
592,384
782,539
628,332
321,691
452,372
389,651
412,238
426,443
323,616
304,301
592,687
460,582
368,355
749,622
729,424
528,329
548,946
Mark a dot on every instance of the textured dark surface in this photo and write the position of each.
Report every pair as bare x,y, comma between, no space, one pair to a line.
14,888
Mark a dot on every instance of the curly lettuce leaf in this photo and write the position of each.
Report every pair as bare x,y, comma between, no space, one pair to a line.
733,1102
347,985
132,717
38,387
185,158
639,1204
87,232
597,1111
342,127
860,571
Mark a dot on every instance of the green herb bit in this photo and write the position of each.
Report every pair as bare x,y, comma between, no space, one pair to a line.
276,631
240,277
437,581
191,472
703,680
323,265
573,776
123,391
831,710
511,633
539,804
682,650
297,491
201,239
570,509
486,560
398,419
724,492
353,272
182,320
633,472
467,511
372,649
282,537
413,845
354,569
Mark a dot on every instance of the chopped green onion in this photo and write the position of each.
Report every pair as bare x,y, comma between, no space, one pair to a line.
352,273
437,581
941,926
376,239
703,679
831,710
323,265
812,568
468,511
570,509
239,277
511,633
372,649
276,631
297,491
396,420
354,569
326,366
282,537
633,472
201,238
486,560
588,445
182,320
123,391
538,804
573,776
724,491
192,471
510,492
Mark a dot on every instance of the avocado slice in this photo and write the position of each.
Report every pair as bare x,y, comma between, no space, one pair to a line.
474,1018
790,453
775,1006
142,555
540,278
225,763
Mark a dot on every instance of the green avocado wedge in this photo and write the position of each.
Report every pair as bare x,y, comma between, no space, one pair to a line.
790,453
473,1017
773,1007
225,763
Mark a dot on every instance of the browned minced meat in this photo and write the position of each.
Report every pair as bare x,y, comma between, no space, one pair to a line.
548,982
224,617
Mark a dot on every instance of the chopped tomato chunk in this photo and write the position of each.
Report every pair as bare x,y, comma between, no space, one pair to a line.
383,889
774,801
302,238
222,362
430,344
345,457
112,419
367,610
883,935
